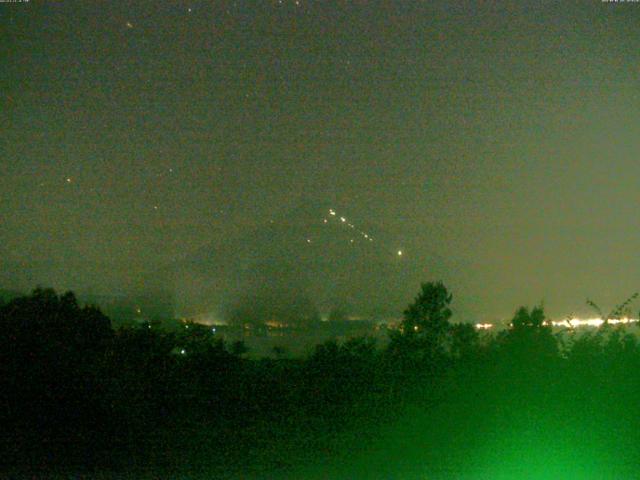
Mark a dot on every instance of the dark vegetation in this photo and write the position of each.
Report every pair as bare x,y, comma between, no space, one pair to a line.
440,401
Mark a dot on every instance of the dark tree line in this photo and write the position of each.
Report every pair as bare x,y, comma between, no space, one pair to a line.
77,395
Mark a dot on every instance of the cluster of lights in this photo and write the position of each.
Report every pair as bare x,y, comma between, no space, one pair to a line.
573,322
484,326
364,235
347,223
592,322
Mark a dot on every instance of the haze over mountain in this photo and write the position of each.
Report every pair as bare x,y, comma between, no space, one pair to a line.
313,253
304,253
497,146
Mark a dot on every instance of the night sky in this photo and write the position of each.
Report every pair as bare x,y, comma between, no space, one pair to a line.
497,144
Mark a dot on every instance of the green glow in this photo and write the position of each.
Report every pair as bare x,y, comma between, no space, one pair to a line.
541,446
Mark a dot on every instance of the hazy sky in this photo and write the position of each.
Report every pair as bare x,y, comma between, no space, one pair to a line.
502,137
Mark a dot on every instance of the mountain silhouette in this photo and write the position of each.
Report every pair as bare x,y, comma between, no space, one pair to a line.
312,251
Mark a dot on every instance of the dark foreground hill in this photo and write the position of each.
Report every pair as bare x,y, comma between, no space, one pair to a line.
80,400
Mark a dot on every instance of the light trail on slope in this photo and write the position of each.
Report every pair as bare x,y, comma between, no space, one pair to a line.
334,217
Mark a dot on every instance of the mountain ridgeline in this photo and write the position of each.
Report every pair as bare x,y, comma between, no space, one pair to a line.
301,265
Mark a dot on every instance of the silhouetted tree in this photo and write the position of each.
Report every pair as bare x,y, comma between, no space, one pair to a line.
524,319
530,340
429,314
425,327
52,354
44,322
464,341
239,348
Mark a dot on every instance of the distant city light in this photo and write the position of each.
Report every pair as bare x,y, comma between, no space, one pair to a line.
484,326
573,323
591,322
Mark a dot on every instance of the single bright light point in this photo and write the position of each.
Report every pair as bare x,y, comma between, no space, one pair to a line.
69,180
183,351
399,253
342,219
